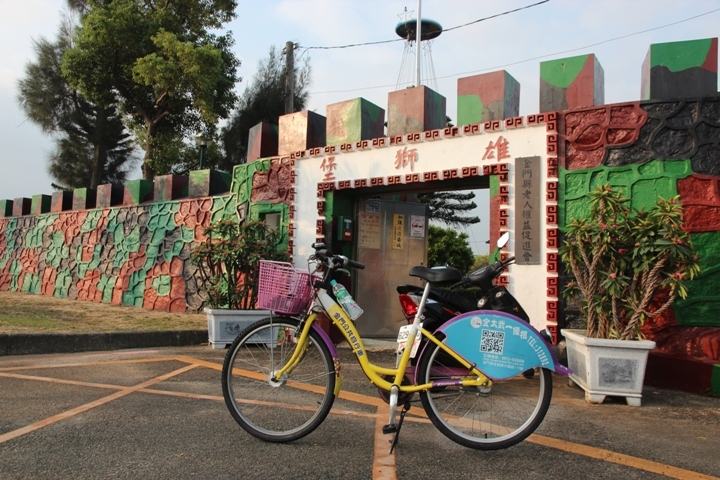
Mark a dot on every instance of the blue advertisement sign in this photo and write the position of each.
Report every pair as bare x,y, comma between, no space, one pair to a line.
501,345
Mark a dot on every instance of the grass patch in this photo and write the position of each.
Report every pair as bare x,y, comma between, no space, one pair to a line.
28,313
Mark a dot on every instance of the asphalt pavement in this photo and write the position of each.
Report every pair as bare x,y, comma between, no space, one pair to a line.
158,413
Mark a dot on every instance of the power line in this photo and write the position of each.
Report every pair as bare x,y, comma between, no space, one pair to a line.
534,58
351,45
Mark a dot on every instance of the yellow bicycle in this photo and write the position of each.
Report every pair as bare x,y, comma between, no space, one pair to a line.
282,374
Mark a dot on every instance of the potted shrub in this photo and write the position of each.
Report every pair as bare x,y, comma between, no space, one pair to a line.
628,266
228,262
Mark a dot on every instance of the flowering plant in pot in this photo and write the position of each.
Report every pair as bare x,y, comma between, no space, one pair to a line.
228,263
622,259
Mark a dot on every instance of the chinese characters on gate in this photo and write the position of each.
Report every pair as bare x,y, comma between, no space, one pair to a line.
527,213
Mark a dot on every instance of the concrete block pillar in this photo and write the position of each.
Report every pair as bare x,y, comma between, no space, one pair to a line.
109,195
490,96
354,120
6,208
416,109
21,206
262,141
300,131
204,183
40,204
136,192
169,187
680,70
61,201
571,83
84,198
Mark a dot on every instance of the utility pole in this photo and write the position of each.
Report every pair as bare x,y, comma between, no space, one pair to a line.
289,77
418,28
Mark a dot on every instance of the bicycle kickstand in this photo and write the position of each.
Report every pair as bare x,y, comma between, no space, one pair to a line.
396,437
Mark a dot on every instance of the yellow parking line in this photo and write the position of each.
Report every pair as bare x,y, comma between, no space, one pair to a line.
384,467
619,458
83,408
384,463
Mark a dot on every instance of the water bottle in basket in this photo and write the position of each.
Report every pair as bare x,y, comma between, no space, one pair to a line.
346,301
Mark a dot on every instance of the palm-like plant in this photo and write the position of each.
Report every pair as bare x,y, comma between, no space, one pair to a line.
622,258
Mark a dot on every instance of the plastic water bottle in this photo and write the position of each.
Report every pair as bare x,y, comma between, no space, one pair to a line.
345,300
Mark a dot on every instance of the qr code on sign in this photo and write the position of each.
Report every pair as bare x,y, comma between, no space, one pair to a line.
492,342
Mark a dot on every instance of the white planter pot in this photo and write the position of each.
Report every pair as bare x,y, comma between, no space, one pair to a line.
224,325
607,367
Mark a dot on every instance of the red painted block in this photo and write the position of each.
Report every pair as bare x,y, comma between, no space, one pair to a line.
300,131
413,110
262,141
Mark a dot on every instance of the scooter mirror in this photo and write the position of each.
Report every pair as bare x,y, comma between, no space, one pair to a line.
503,240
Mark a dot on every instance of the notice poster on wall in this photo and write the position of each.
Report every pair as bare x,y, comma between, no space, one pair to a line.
370,230
417,226
398,229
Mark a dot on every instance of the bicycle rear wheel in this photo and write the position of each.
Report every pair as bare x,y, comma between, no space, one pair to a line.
483,418
290,407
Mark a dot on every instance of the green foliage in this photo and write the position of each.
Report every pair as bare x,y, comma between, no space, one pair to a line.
448,247
447,207
629,265
159,61
229,261
92,145
262,101
480,261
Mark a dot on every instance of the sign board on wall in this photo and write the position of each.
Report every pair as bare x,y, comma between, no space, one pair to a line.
398,230
370,230
527,211
417,226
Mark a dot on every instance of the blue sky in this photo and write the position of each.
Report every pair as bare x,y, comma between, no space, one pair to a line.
517,43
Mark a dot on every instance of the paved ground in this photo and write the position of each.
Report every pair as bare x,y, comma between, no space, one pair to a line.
158,413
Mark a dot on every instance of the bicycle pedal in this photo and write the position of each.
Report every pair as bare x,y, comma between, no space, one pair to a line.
391,428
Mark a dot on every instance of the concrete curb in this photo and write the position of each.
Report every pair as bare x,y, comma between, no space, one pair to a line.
38,343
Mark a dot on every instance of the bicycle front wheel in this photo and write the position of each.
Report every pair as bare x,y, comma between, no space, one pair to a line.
484,418
278,409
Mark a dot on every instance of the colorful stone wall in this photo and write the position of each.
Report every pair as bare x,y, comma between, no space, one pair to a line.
647,150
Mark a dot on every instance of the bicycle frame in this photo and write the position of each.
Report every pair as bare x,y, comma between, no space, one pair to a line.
375,372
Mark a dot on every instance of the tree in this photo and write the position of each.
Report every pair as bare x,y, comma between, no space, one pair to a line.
159,61
263,101
92,145
446,207
448,247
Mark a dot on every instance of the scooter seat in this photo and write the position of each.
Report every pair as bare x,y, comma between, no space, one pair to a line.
437,274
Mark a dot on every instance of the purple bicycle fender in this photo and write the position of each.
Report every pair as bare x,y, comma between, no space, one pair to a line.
333,351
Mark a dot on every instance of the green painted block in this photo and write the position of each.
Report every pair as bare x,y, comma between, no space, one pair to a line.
354,120
40,204
562,72
6,208
161,284
137,192
715,380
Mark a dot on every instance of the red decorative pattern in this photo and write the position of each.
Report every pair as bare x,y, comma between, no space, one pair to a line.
451,132
552,167
430,176
552,238
504,195
471,129
470,172
433,134
346,147
553,329
589,132
413,137
319,227
492,126
552,287
360,183
552,192
377,181
513,122
552,262
396,140
344,184
394,180
331,150
552,144
380,142
503,218
362,145
321,208
412,178
552,214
